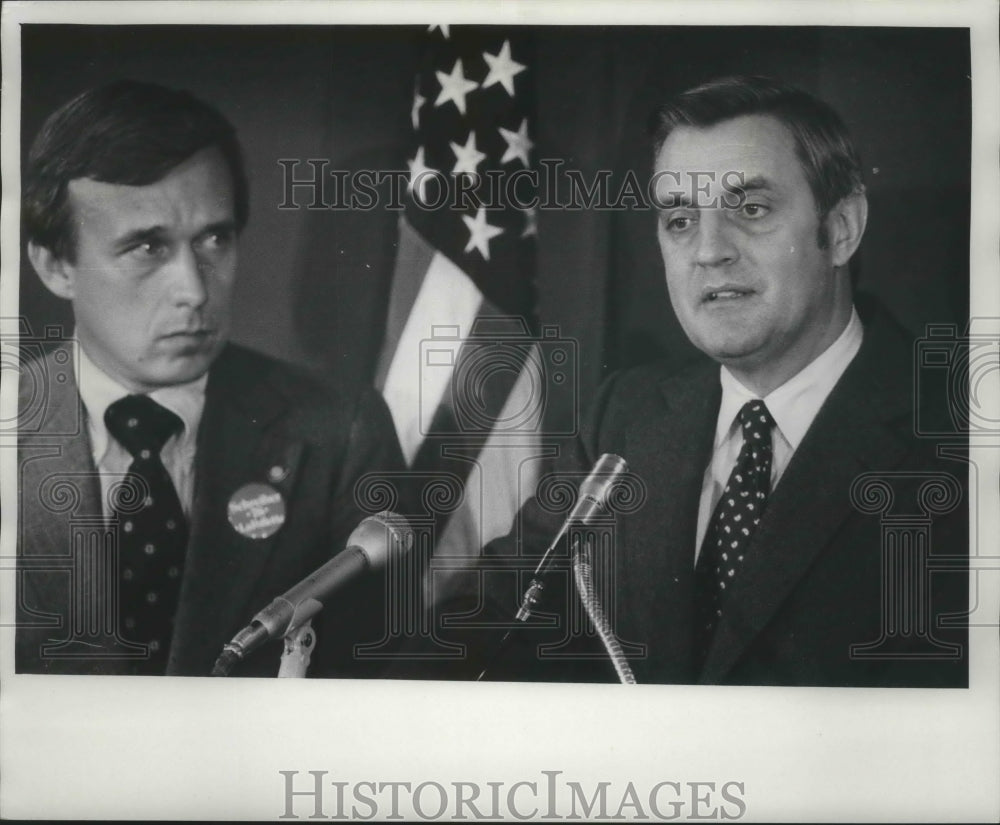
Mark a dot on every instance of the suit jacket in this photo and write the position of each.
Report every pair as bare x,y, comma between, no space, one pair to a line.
262,422
816,580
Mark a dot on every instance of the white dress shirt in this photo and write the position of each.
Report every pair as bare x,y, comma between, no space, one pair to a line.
98,391
793,406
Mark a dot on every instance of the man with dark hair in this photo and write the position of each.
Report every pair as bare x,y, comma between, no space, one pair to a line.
757,556
823,146
171,483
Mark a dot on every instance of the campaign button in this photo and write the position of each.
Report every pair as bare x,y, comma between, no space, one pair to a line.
256,511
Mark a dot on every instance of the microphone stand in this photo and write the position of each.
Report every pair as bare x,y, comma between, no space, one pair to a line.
299,646
295,657
593,492
529,601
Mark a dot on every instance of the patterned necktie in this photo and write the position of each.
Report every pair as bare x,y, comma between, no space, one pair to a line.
152,530
735,518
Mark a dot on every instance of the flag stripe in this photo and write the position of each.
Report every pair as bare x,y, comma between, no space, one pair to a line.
504,476
413,258
446,295
478,400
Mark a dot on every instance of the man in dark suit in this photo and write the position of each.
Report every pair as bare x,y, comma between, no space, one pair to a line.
789,505
171,483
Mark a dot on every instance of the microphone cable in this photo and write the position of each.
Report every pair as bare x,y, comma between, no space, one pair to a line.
583,575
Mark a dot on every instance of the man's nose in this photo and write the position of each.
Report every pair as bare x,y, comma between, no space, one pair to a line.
188,277
715,246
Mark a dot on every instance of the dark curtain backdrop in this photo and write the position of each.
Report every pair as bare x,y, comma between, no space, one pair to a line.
314,284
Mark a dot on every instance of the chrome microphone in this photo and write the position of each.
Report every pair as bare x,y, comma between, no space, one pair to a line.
368,549
592,499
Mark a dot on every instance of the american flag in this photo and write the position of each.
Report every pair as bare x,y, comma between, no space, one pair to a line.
460,365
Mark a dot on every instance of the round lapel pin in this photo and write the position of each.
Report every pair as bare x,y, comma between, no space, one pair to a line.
256,511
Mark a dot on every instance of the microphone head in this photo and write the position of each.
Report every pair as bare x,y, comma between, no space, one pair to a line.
376,535
607,471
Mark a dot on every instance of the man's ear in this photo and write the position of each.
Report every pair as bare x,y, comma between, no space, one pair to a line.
845,226
58,275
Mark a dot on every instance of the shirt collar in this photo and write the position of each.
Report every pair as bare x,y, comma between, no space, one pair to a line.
795,403
98,391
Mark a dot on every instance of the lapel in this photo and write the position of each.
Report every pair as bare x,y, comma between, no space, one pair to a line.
239,442
669,445
57,477
850,435
60,518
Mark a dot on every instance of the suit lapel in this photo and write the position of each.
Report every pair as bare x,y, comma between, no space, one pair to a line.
222,568
59,496
849,436
669,446
58,479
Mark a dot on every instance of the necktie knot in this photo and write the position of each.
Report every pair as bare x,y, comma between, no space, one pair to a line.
140,424
756,421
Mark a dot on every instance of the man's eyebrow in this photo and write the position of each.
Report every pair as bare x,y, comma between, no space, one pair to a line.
148,234
675,200
139,236
755,184
222,227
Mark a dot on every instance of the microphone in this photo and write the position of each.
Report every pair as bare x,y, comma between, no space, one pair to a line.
592,500
367,550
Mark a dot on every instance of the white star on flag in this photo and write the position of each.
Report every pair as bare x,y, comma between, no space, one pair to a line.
418,101
454,87
518,143
443,27
462,266
419,173
467,157
502,68
480,233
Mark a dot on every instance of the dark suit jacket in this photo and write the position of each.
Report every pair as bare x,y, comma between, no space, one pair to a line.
262,422
812,583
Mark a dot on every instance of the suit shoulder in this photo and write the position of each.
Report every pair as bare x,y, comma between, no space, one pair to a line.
636,393
634,387
320,402
47,399
42,367
292,381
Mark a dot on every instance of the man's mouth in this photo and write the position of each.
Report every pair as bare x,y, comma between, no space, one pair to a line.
188,335
193,332
725,293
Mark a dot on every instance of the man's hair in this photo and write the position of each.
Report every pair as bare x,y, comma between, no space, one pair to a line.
824,146
128,133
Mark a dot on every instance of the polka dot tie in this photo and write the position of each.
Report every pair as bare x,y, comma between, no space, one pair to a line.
735,518
152,530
